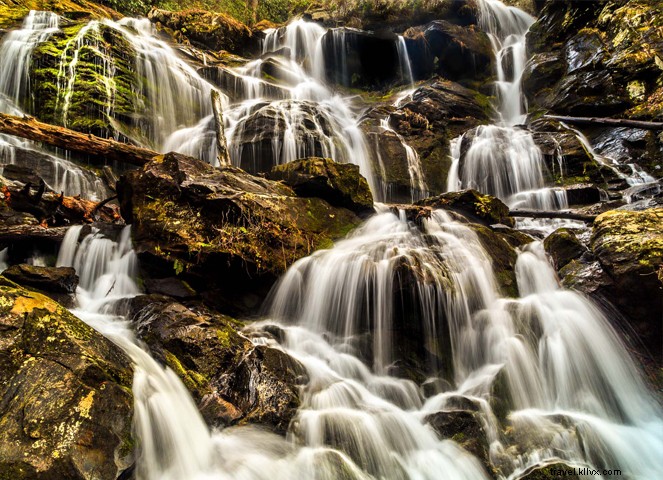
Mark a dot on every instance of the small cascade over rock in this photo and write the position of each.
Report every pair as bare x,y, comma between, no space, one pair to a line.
16,95
502,159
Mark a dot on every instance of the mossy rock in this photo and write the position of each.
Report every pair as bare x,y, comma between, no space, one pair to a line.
67,404
629,247
197,221
563,246
339,184
231,379
12,12
477,207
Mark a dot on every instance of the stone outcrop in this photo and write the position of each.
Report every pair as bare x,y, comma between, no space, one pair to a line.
207,30
629,248
232,380
66,393
339,184
195,221
427,121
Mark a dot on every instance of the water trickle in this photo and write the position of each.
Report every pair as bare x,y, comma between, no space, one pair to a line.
404,61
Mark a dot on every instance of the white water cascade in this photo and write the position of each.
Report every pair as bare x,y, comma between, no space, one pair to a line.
569,389
16,51
502,159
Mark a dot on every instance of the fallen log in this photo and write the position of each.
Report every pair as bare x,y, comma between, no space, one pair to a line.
25,234
553,214
61,137
613,122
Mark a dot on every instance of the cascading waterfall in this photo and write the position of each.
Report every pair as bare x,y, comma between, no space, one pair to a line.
502,159
571,391
15,94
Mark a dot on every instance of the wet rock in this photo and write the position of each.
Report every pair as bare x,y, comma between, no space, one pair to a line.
210,30
361,59
66,393
426,121
629,247
58,283
464,427
339,184
254,139
477,207
232,380
582,194
171,287
549,471
455,52
209,225
236,87
563,246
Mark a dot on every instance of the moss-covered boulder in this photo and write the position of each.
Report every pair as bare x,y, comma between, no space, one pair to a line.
477,207
339,184
66,393
464,427
12,12
207,30
629,247
563,246
223,230
232,380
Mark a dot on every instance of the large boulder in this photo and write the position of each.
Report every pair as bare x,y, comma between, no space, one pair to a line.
426,121
465,427
455,52
208,30
629,247
339,184
66,403
232,380
477,207
58,283
225,232
563,246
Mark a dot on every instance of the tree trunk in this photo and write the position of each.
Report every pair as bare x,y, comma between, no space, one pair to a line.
613,122
221,145
552,214
33,129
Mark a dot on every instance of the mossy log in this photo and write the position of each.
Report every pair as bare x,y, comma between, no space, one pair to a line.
32,129
611,122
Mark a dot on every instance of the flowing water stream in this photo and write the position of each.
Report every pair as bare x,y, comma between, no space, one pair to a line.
543,370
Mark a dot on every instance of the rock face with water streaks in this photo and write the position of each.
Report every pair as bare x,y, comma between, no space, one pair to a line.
192,219
233,381
66,393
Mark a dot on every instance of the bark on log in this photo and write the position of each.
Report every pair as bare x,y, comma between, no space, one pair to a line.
32,129
613,122
10,234
221,145
553,214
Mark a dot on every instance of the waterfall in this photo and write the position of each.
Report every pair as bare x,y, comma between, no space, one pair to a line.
404,61
16,51
502,159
